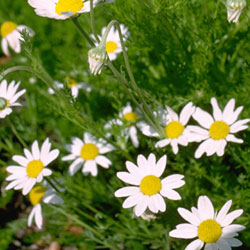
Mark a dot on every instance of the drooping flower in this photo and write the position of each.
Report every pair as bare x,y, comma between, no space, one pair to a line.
37,196
8,97
212,229
73,85
217,129
60,9
173,126
113,45
234,9
11,36
148,189
32,167
87,153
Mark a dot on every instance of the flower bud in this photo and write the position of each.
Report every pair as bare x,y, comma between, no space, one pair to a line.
234,9
97,58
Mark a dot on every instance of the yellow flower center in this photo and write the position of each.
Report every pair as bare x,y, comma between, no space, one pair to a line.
131,117
111,46
209,231
69,5
71,82
150,185
89,151
174,129
4,103
219,130
34,168
36,194
7,28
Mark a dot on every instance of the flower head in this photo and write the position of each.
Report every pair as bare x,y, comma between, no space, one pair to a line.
148,188
212,229
8,97
32,167
234,9
87,152
60,9
37,196
217,129
11,36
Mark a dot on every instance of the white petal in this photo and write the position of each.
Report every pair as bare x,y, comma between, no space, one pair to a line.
128,178
16,170
28,154
174,145
50,157
229,218
20,160
188,216
132,200
205,208
162,143
160,166
206,146
186,113
172,114
223,244
208,247
133,169
133,136
221,147
141,206
46,172
38,216
75,166
216,110
153,204
183,233
90,166
223,212
147,129
69,157
195,245
103,161
239,126
161,203
45,149
31,216
170,194
35,150
232,138
233,228
234,242
127,191
174,185
203,118
172,179
28,185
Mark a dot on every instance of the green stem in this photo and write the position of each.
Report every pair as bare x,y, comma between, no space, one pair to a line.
82,31
52,184
217,8
92,21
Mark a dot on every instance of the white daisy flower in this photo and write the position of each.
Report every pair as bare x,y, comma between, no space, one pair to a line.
32,167
174,127
8,97
212,229
113,45
217,129
11,36
148,188
73,85
38,195
60,9
87,153
234,9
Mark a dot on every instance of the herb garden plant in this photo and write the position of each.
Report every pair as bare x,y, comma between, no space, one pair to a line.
124,124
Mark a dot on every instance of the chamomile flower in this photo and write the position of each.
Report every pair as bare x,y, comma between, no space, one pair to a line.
37,196
113,45
234,9
8,97
217,129
212,229
32,167
173,126
148,189
87,153
73,85
11,36
60,9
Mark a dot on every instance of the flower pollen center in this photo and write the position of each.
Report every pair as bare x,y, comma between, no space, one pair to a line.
131,117
89,151
71,82
219,130
111,46
34,168
68,5
7,28
174,129
150,185
36,194
209,231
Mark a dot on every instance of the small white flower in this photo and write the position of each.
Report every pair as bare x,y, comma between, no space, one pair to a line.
217,129
73,85
234,9
60,9
38,195
32,167
11,36
148,188
113,45
174,127
8,97
212,228
87,153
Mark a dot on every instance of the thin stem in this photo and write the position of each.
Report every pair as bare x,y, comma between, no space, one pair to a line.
82,31
52,184
92,21
216,10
